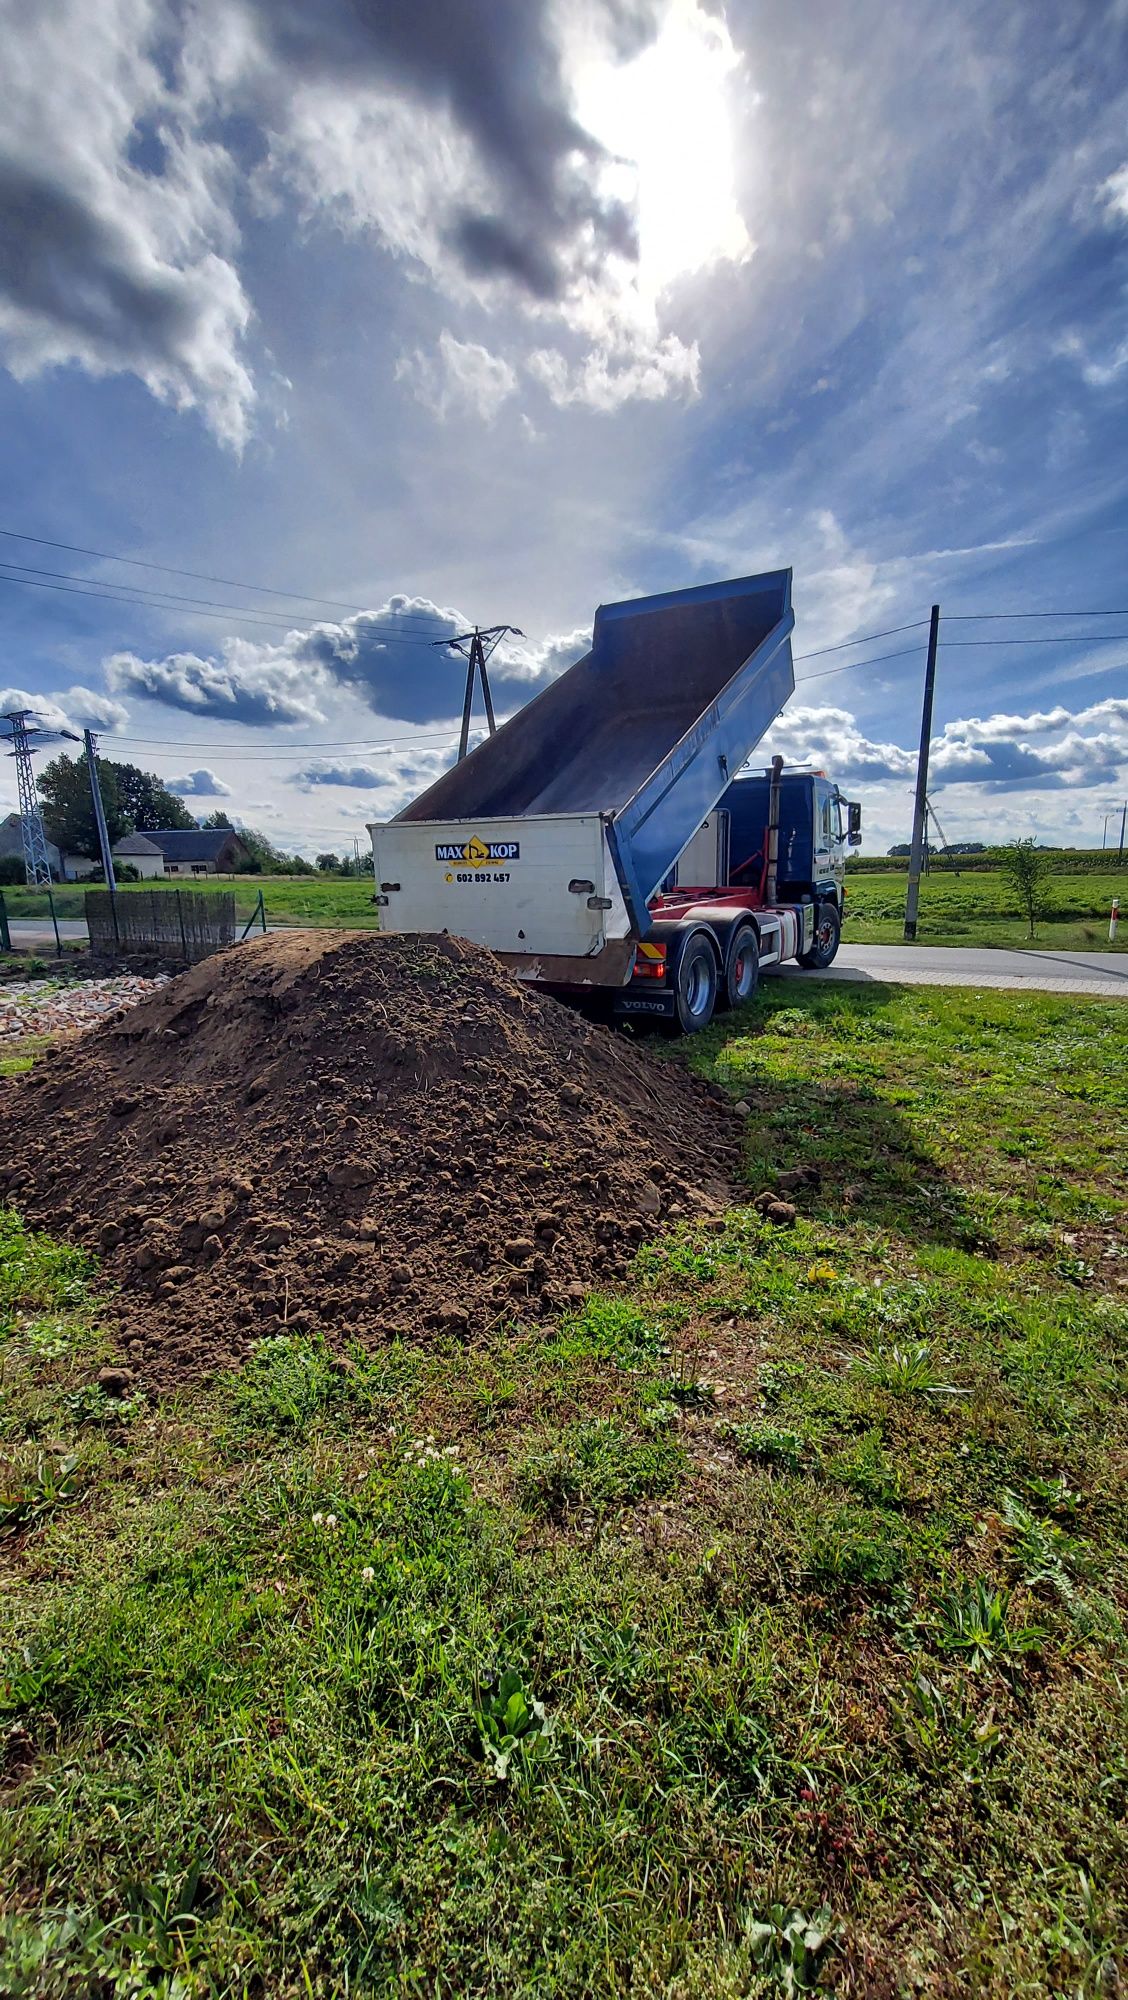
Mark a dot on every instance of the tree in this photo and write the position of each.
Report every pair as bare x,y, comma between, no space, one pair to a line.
134,801
147,802
329,864
1026,868
217,822
68,810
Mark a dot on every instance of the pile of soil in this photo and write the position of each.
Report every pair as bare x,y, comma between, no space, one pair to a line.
373,1136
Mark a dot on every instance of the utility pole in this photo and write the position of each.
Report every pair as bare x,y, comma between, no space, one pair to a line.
91,743
476,648
24,739
1123,818
920,808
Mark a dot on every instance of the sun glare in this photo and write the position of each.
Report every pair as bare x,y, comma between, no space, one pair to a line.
665,120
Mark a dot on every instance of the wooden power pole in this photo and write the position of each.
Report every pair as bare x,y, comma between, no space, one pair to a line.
920,809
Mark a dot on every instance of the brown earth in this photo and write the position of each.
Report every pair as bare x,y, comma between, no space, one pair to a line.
373,1136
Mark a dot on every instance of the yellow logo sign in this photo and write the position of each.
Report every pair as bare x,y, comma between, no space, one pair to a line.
476,853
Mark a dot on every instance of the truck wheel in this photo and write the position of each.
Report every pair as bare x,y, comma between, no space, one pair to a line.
828,936
695,986
742,967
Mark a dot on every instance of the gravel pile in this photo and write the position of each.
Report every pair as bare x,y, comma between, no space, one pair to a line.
45,1006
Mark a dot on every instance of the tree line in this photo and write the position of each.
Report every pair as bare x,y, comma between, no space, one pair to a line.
136,801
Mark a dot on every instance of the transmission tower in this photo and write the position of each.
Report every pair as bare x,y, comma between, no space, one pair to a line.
477,647
26,732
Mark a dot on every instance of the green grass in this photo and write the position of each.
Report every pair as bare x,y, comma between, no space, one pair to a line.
755,1630
981,908
309,900
972,908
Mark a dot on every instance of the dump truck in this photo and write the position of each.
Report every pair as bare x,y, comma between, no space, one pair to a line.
607,841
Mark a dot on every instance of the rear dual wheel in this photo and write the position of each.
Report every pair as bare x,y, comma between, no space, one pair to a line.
696,981
742,966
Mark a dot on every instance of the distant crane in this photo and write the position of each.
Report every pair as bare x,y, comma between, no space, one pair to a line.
945,844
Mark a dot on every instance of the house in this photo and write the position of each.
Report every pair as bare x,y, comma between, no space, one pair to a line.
199,851
141,853
11,843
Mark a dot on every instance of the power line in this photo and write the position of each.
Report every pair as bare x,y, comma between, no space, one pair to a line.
865,639
162,599
292,751
231,617
980,617
851,666
170,569
1082,639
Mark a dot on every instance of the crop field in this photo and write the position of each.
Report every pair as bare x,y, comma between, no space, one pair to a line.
755,1629
981,909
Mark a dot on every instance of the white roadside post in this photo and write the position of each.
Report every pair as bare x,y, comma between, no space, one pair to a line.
1114,919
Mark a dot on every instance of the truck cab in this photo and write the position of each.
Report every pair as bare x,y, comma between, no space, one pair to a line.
816,826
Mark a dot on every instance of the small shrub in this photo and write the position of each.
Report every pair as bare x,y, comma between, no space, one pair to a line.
974,1622
939,1726
905,1371
26,1500
790,1947
89,1404
511,1724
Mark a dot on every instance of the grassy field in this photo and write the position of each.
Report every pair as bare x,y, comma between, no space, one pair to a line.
315,900
966,909
981,909
756,1631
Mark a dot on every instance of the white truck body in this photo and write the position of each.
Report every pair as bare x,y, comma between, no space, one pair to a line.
540,884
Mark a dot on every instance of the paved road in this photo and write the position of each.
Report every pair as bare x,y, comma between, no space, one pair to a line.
1100,972
37,932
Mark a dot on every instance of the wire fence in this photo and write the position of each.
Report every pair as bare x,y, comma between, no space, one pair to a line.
159,923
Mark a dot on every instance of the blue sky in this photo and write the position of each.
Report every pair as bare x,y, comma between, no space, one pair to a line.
495,310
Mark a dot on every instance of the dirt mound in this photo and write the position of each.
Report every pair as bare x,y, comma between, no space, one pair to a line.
367,1135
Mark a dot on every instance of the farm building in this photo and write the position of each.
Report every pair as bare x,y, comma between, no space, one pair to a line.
199,851
141,852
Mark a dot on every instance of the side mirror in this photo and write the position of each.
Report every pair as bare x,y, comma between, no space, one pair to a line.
854,824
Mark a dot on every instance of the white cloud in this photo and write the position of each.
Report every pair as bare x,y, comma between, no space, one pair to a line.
990,752
44,709
463,377
90,710
118,264
252,685
392,658
201,784
325,771
1115,193
624,370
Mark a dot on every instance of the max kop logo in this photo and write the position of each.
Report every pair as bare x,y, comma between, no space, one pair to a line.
478,853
